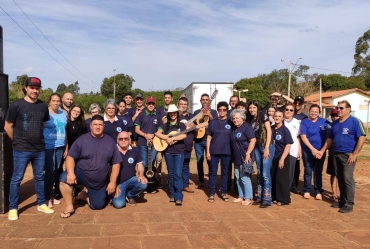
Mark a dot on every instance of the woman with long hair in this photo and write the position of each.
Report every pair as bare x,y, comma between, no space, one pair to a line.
174,154
263,151
76,125
55,147
218,149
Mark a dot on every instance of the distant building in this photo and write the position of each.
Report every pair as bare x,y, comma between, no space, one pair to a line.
356,97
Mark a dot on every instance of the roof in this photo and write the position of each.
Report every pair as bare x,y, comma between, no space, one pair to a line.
334,94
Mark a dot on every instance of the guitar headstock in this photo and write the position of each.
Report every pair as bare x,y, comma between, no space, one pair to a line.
206,109
214,94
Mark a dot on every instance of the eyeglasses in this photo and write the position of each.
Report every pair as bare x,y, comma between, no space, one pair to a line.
289,110
222,110
340,108
123,139
139,99
297,103
110,108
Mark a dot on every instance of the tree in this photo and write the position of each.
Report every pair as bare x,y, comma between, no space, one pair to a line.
61,88
362,55
335,82
20,80
123,85
255,89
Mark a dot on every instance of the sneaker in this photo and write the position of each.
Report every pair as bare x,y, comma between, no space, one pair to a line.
131,202
13,214
172,199
45,209
345,209
307,195
178,202
335,205
264,205
318,197
246,202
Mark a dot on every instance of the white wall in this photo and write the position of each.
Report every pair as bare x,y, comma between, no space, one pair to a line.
355,99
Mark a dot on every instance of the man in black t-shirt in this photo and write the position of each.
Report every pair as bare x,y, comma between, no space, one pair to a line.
131,179
24,123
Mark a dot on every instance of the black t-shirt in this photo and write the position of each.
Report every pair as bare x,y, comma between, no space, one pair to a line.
128,164
28,119
300,116
74,131
260,129
188,141
179,146
282,137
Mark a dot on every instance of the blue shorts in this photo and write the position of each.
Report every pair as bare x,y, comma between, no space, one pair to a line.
97,197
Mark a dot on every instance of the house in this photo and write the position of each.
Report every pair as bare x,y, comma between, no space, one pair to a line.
358,99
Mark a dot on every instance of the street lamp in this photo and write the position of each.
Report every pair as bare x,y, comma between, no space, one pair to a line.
244,91
114,84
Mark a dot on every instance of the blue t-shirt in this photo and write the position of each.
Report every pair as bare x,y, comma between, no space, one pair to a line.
148,123
127,121
214,114
55,130
315,133
179,146
240,138
220,131
188,141
282,137
95,156
345,135
161,111
300,116
113,129
128,164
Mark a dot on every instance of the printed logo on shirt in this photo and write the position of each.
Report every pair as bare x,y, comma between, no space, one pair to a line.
227,126
130,160
155,121
345,131
322,128
124,122
119,129
238,134
278,137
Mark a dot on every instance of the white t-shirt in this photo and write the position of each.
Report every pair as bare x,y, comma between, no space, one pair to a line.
293,125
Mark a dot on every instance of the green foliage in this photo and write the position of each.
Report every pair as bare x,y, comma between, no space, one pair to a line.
123,85
335,82
362,55
20,80
255,89
85,100
61,88
72,88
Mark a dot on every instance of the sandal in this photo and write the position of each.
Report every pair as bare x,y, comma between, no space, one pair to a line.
68,214
225,198
211,198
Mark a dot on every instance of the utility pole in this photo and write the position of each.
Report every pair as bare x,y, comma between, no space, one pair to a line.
114,84
320,96
290,77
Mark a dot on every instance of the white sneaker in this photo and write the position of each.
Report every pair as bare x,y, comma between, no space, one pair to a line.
307,195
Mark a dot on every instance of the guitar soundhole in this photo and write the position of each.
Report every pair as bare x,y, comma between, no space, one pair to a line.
149,173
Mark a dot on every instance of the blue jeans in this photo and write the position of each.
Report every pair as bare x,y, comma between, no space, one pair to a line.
21,160
97,197
243,182
200,147
144,154
133,188
312,164
225,160
264,175
174,166
53,158
185,169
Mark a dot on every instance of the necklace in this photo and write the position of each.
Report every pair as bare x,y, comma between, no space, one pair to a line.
224,120
73,123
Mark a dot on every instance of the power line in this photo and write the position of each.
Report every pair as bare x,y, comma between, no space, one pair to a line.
45,50
52,43
326,69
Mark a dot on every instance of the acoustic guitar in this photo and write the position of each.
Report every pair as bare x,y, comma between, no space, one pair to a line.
150,173
161,144
204,119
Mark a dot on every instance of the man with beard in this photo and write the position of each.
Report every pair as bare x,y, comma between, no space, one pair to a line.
67,102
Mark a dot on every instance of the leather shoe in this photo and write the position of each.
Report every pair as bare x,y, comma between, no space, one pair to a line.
187,189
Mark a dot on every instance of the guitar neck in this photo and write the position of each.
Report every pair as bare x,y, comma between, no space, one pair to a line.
201,112
150,157
185,131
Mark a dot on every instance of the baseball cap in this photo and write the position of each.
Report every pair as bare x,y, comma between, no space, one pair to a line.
333,112
299,98
139,95
150,99
33,81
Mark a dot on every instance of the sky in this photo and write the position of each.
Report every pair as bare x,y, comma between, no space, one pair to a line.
165,44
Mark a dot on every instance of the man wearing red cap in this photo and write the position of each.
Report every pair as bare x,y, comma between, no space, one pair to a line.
146,124
24,123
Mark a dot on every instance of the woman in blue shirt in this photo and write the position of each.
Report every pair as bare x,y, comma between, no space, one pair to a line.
55,146
313,135
218,148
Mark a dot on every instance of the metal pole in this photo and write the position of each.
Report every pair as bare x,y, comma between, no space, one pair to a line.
114,84
290,76
239,94
367,120
320,102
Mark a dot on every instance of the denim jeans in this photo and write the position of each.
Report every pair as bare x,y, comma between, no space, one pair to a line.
200,147
174,166
21,160
312,164
144,154
133,188
215,159
185,169
264,176
243,182
53,158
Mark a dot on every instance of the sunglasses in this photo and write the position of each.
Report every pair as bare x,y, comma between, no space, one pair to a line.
289,110
123,139
150,103
297,103
222,110
340,108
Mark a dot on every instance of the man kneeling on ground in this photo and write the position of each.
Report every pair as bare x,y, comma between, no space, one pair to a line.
131,178
89,161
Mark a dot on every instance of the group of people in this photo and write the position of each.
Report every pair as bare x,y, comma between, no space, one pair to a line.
106,157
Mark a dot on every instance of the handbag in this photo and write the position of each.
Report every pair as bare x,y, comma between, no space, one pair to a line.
247,168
